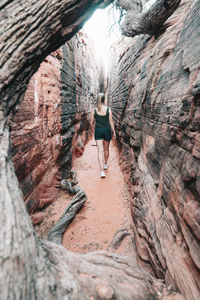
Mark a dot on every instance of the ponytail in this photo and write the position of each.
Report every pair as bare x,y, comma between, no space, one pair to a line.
100,100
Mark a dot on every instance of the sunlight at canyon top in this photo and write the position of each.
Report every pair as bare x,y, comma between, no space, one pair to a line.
102,32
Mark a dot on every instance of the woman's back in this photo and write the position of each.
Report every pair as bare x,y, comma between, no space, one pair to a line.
102,111
102,116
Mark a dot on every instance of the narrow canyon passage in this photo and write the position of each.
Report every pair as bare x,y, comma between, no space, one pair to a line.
106,211
143,245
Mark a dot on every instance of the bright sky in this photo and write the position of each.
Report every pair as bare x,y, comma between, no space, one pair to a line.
98,29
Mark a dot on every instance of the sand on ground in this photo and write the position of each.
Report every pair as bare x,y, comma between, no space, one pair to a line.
106,210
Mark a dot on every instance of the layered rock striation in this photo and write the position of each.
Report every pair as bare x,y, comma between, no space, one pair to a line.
51,123
79,88
154,89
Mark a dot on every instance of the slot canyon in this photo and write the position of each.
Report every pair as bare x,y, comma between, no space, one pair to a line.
136,233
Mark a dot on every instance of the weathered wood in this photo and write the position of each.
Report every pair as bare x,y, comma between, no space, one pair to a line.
117,239
24,268
102,275
149,22
56,233
130,5
69,183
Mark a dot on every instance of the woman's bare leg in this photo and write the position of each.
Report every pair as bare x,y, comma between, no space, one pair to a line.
106,145
100,149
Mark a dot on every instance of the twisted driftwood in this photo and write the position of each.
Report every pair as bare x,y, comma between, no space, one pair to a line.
69,185
151,22
56,233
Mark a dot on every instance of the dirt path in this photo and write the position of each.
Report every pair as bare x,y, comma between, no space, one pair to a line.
105,212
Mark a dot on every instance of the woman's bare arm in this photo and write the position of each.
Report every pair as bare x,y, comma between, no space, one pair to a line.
112,123
92,121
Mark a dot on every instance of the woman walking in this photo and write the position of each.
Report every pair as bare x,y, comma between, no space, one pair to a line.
104,127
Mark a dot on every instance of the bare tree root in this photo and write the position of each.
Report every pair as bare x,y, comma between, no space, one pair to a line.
69,183
117,239
56,233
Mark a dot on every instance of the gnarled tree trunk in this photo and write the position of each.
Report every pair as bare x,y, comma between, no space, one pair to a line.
151,21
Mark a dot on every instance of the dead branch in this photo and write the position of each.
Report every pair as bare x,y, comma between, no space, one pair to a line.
150,22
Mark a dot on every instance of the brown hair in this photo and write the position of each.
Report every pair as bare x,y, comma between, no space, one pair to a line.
100,100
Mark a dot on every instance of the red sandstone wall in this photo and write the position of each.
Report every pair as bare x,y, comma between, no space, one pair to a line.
36,140
51,122
155,93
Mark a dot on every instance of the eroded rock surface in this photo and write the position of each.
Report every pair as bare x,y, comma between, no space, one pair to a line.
155,94
51,122
36,139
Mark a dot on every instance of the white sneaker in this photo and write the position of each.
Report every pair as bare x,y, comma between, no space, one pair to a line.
105,166
102,174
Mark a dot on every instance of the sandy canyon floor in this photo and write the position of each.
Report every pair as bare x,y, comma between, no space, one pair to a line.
106,212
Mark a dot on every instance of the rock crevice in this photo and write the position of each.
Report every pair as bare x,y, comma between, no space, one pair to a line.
52,122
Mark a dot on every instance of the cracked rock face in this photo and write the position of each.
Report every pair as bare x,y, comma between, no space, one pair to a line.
154,90
52,121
